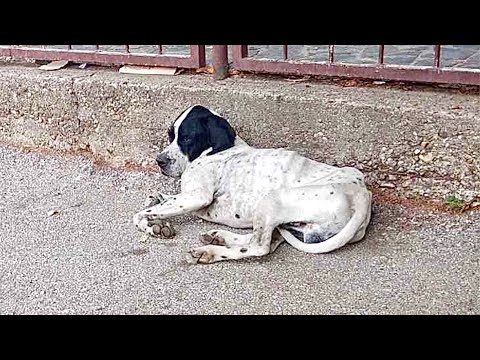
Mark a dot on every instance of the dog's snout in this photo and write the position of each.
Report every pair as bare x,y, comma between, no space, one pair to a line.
162,160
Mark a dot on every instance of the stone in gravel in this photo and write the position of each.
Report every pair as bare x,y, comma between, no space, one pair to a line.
427,158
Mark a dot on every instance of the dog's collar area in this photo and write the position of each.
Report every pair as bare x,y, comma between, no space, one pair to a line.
206,152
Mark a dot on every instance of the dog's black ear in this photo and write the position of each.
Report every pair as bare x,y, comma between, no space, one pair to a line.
221,135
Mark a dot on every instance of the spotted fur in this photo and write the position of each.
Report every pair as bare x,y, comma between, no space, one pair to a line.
315,207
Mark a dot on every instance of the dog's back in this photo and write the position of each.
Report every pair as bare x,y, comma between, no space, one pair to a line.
246,169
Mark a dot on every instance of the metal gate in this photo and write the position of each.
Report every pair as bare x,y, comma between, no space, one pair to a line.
379,71
196,59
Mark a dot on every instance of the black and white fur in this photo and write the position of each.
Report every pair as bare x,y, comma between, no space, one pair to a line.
315,207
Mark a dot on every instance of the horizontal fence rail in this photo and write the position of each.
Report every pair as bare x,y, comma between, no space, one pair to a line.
379,71
196,59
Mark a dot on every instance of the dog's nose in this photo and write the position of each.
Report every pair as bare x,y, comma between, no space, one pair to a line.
162,160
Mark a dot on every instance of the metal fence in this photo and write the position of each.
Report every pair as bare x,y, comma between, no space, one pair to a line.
380,71
196,59
435,73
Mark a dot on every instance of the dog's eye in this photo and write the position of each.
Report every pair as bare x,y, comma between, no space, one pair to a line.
186,139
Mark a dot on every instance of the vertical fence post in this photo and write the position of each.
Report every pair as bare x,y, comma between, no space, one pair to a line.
220,61
436,61
381,53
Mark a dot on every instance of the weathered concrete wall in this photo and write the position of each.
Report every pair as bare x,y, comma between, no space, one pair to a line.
420,143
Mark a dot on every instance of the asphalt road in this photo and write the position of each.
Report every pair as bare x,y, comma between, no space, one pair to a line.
89,259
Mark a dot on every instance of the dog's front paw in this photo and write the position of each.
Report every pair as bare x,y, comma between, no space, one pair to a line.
160,228
154,227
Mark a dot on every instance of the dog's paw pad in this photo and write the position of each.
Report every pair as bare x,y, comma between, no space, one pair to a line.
162,229
201,256
211,238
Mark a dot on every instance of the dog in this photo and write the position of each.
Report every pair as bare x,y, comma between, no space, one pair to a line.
283,196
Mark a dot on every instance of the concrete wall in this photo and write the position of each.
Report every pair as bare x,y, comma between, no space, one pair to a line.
423,144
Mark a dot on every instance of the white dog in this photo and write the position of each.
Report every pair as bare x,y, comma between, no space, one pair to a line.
315,207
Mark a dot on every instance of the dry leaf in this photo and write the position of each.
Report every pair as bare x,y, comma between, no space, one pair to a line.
470,205
201,70
349,83
54,65
209,69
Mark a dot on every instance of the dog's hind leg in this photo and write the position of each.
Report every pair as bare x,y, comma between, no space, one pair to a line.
273,210
336,206
228,238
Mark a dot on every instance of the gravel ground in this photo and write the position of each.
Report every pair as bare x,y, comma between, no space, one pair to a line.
89,259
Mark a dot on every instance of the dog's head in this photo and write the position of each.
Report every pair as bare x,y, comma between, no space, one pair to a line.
197,131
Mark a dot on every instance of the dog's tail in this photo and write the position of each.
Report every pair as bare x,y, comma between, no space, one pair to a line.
360,218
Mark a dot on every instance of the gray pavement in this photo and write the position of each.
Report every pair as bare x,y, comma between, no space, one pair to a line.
457,56
89,259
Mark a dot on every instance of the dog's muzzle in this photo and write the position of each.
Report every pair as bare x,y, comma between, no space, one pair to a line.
163,161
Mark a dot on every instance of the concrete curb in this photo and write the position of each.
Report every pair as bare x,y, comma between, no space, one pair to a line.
416,144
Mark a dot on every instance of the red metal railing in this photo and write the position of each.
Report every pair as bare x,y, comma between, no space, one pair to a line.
241,61
379,71
196,59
